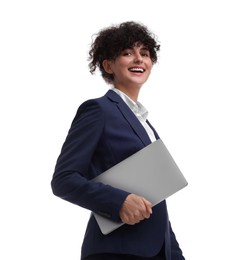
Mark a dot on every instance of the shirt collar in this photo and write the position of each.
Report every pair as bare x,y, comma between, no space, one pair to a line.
136,107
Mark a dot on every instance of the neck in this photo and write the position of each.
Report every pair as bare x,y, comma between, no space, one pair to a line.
132,92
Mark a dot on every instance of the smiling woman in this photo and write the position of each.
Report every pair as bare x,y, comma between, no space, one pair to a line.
104,132
130,70
111,41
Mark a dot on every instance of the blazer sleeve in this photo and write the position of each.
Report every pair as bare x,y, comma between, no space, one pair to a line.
72,178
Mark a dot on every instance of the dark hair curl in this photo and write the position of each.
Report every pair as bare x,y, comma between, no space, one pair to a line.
111,41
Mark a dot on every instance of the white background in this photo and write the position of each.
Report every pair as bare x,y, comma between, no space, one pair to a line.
194,97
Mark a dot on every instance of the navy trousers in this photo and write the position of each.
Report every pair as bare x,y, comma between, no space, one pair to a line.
159,256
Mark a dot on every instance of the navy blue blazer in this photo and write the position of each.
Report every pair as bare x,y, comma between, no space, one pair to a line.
104,132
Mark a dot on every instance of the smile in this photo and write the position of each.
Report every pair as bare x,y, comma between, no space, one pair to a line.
137,69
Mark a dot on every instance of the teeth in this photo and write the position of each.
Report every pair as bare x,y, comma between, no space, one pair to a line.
136,70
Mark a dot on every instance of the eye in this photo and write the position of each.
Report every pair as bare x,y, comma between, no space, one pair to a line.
127,53
145,54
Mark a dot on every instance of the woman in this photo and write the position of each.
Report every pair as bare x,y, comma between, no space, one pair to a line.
105,131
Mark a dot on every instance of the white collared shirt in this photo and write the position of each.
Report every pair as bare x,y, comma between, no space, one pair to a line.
139,110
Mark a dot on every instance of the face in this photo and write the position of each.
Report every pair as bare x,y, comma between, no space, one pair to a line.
131,68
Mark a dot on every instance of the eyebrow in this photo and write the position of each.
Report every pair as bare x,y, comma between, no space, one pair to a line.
145,49
131,48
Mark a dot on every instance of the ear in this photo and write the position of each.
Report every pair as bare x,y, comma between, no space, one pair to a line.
107,66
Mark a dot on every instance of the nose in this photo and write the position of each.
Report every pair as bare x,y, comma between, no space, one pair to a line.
138,58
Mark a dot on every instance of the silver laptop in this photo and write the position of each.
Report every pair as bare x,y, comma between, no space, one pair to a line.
151,172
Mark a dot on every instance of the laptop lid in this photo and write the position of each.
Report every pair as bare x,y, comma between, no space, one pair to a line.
151,172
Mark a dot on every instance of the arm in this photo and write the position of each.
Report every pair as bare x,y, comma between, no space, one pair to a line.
77,164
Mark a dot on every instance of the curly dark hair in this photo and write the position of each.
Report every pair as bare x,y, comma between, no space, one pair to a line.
111,41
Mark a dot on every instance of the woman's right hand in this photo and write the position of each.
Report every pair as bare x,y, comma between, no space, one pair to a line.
134,209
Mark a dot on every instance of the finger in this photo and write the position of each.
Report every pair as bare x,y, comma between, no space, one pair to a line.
148,205
130,220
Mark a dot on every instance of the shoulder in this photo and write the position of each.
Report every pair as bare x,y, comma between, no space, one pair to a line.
109,99
94,108
91,104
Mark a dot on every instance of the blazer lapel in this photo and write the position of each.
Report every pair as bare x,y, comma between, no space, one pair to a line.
154,131
130,117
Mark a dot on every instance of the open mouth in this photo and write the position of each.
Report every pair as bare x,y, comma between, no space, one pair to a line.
137,69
